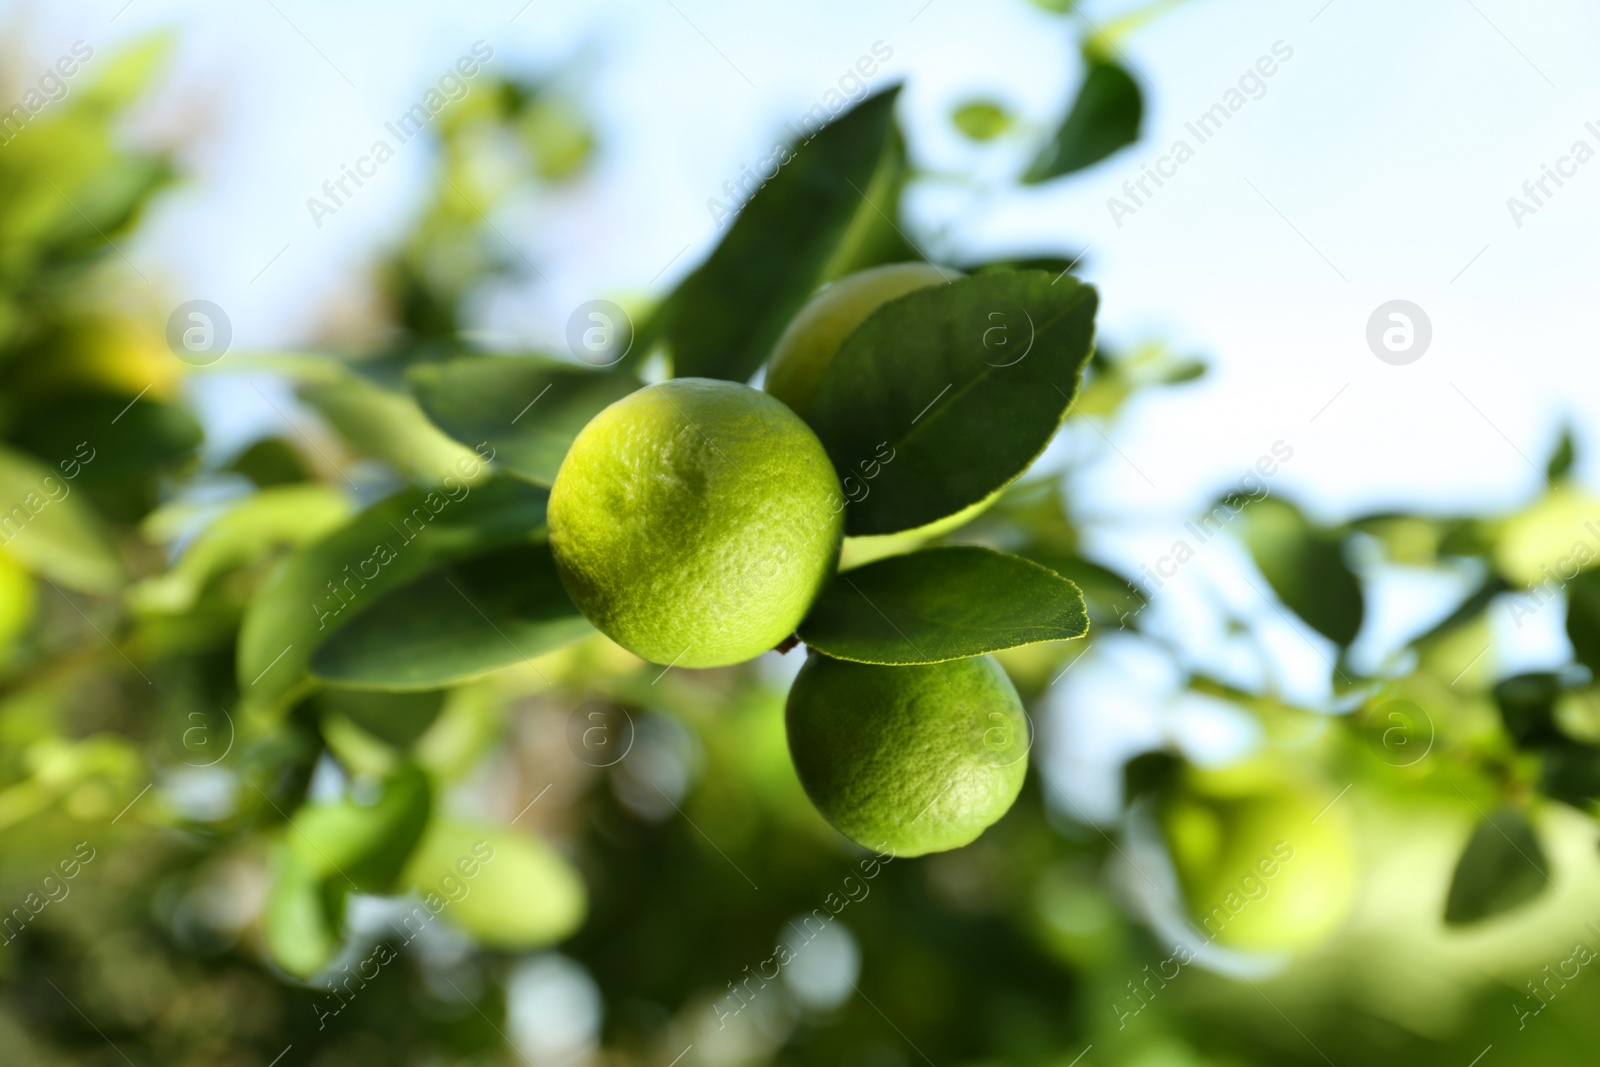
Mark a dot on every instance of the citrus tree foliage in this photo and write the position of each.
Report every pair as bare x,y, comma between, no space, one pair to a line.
307,754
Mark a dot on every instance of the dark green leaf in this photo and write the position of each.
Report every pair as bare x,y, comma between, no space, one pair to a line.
1561,459
828,211
527,410
1571,773
1304,564
321,586
455,624
135,444
1583,618
271,461
1502,868
1149,774
1104,117
1055,265
1527,705
1112,600
942,604
395,718
950,392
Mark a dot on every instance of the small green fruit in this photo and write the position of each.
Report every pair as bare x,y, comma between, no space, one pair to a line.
806,349
1264,863
694,522
908,760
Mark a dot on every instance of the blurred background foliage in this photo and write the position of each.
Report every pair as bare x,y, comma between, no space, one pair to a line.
486,837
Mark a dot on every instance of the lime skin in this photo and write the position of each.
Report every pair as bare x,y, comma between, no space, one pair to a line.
695,521
908,760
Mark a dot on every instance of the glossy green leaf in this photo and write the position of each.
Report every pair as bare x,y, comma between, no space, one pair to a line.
388,425
829,210
321,586
1105,116
365,845
1304,564
947,394
527,410
942,604
504,889
302,917
454,624
1502,868
46,525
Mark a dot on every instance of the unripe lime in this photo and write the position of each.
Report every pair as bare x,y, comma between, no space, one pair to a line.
908,760
806,349
694,522
1265,864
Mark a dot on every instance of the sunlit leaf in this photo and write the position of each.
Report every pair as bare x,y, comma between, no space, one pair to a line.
321,586
504,889
942,604
947,394
823,214
454,624
48,527
527,410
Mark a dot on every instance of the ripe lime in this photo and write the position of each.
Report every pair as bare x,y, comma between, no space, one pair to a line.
694,522
1265,864
908,760
814,336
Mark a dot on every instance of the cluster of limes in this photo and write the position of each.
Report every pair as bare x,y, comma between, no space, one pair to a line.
695,521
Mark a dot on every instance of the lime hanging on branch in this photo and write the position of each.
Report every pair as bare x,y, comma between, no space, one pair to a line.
908,760
695,521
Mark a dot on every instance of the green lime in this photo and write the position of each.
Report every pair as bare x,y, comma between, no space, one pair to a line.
694,522
908,760
814,336
1266,864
